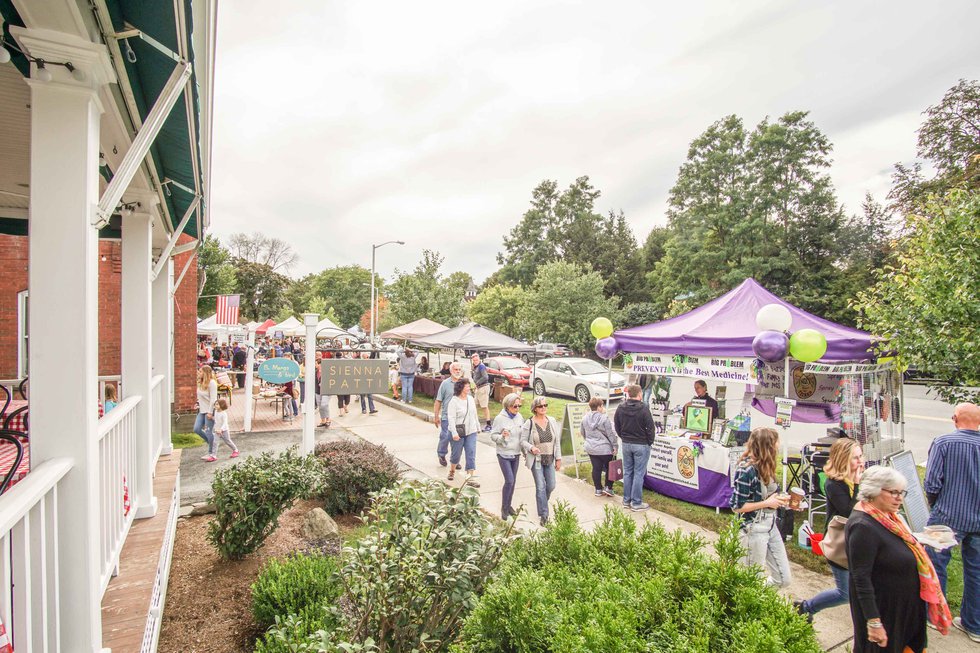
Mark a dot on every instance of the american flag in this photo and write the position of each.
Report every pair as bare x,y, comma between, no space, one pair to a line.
228,309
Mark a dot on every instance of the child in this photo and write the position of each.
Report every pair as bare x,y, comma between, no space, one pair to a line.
111,400
221,429
395,382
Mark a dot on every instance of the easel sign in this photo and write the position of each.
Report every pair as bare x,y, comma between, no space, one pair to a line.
571,432
915,506
784,412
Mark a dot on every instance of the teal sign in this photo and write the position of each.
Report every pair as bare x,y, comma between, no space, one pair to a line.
279,370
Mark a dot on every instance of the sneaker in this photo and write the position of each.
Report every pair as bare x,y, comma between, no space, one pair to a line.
640,507
205,457
487,428
210,459
459,466
472,482
598,493
234,454
801,608
606,492
544,521
513,513
626,505
442,461
373,412
363,412
958,622
452,473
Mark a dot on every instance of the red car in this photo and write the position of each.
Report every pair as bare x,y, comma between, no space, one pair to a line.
509,370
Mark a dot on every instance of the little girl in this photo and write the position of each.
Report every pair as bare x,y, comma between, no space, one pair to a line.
221,429
111,401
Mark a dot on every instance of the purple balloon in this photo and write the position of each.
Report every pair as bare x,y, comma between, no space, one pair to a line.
606,348
771,346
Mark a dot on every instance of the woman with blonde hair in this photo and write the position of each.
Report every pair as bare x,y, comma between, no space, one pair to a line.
207,397
541,443
843,469
756,499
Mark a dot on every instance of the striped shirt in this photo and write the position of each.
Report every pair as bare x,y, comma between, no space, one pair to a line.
953,473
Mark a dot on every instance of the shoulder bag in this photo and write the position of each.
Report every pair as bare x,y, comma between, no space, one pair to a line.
833,542
461,428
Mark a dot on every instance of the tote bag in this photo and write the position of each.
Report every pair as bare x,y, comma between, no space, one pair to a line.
615,472
833,542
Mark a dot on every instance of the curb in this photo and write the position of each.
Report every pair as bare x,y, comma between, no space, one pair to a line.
417,413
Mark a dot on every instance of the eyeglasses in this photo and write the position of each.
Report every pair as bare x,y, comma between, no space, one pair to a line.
898,494
516,405
541,406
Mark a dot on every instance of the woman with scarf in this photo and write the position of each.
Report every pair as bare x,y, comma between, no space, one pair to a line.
541,443
894,587
505,433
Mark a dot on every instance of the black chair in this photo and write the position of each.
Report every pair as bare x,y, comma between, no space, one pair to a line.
10,418
22,389
12,438
6,400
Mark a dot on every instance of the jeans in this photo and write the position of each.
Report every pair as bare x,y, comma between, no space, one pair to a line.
467,443
444,438
635,459
544,485
830,598
647,393
600,464
369,402
204,427
508,467
765,548
970,552
408,387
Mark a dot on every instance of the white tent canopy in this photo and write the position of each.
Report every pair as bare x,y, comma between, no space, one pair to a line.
288,327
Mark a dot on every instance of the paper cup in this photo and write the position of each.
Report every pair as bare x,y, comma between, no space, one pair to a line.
795,497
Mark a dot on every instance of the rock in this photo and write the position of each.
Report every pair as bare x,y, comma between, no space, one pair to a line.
318,525
199,509
185,510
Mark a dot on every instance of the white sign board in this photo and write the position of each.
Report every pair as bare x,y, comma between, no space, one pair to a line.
674,460
735,370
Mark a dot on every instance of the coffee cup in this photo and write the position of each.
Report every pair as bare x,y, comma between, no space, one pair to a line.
796,497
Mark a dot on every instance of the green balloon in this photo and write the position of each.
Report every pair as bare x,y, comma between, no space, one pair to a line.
807,345
601,327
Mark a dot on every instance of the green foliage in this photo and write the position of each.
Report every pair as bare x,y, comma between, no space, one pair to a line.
215,270
624,589
351,472
185,440
927,304
307,633
250,496
638,314
563,301
347,290
263,290
950,136
288,586
424,292
500,308
411,582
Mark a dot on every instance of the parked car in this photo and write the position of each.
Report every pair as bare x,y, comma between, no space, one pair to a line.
547,350
581,378
508,369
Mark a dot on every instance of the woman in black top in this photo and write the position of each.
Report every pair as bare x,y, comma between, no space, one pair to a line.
843,469
893,584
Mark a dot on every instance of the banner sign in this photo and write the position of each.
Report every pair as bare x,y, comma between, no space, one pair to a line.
279,370
804,386
736,370
848,368
674,460
353,377
571,424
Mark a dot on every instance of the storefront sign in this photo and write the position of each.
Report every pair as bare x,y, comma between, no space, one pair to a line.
674,460
736,370
279,370
353,377
804,386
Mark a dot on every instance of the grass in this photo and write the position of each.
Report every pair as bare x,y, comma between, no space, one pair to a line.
186,440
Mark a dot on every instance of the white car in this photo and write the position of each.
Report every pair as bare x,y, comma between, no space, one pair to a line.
581,378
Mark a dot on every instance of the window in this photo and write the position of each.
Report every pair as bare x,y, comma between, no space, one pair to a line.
22,334
550,366
493,365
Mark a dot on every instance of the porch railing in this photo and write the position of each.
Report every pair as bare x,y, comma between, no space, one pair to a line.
117,474
29,548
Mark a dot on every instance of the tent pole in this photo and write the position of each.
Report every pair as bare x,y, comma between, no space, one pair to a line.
785,394
609,384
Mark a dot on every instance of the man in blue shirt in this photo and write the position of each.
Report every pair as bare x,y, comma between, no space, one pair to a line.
440,410
953,490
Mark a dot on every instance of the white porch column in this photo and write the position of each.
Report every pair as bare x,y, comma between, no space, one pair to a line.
137,341
310,320
162,331
63,281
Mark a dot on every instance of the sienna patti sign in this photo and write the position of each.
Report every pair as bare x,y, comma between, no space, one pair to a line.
278,370
353,377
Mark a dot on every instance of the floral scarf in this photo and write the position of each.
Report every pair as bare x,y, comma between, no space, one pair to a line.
929,589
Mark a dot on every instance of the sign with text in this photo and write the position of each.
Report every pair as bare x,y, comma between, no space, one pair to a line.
571,424
803,386
848,368
674,460
278,370
353,377
736,370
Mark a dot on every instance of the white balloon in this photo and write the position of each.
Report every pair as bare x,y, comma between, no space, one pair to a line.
774,317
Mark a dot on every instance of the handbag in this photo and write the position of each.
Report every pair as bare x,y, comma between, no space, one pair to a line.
615,472
461,428
833,542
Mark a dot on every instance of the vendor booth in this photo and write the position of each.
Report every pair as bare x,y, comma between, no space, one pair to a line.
695,457
417,329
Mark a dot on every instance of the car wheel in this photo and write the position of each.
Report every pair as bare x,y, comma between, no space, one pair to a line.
538,387
582,394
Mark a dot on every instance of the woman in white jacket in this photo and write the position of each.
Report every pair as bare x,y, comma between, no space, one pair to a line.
465,424
506,434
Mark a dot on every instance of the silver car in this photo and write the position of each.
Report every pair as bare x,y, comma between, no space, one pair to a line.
581,378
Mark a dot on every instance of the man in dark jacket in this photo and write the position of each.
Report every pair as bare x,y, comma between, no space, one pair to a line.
238,360
634,424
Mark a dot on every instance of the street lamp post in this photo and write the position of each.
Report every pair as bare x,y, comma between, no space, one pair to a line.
374,248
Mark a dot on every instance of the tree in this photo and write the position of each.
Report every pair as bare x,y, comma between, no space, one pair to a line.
563,301
258,248
927,304
424,292
639,314
500,308
347,289
263,290
531,243
950,135
215,275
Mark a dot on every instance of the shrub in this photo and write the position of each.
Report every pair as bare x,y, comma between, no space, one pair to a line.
289,585
305,633
250,496
624,589
351,472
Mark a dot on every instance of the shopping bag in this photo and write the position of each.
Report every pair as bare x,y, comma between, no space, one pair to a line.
615,472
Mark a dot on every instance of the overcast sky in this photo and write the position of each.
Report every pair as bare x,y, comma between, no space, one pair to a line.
342,124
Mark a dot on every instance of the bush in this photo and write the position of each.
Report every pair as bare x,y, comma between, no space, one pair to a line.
624,589
351,472
288,586
305,633
250,496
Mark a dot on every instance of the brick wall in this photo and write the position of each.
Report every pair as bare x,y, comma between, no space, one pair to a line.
185,333
13,279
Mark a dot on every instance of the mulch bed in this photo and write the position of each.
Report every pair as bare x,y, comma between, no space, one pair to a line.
209,600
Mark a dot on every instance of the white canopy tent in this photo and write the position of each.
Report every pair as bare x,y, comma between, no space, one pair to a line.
289,327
